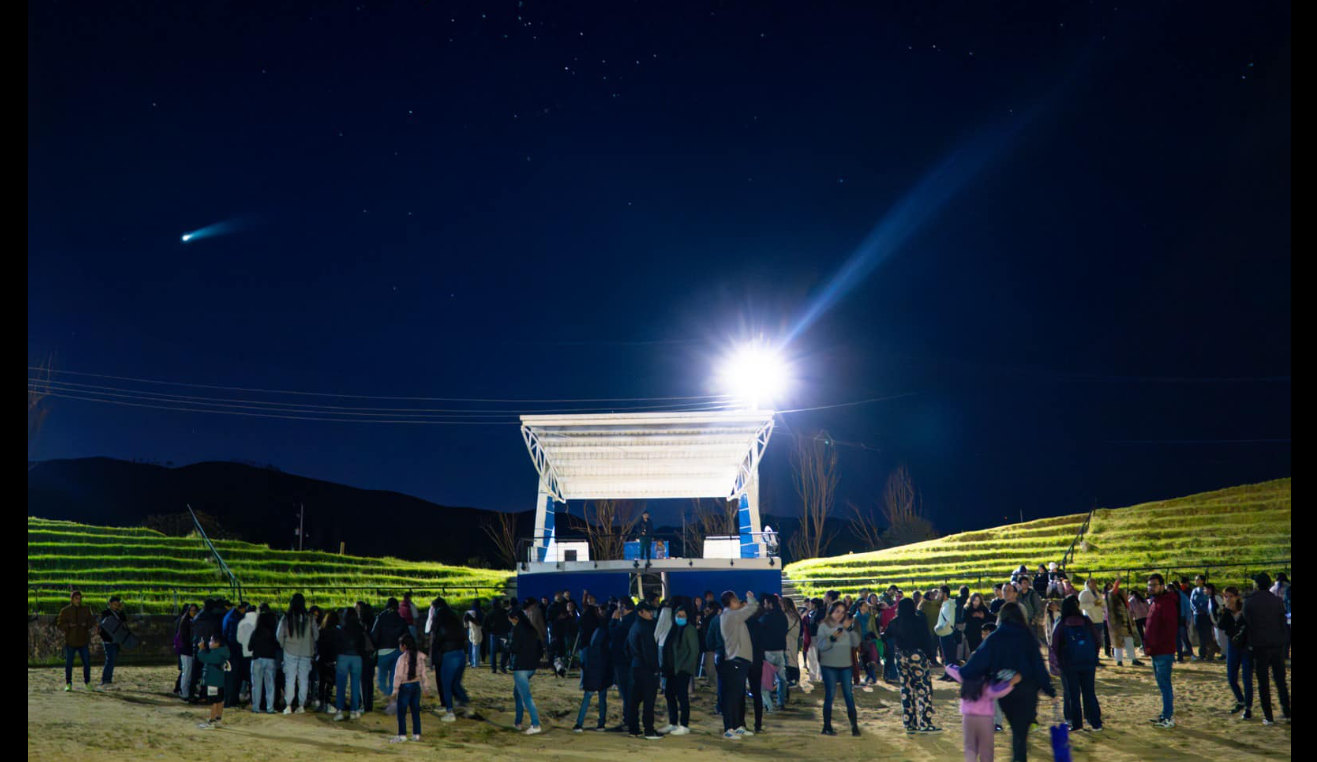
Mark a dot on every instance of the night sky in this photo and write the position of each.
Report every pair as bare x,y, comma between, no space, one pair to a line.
1054,238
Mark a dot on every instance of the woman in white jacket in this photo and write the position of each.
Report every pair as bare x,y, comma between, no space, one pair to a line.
1094,605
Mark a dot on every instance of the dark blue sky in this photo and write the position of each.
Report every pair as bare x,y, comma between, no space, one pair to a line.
587,200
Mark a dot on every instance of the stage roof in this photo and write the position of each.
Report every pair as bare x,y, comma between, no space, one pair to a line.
647,455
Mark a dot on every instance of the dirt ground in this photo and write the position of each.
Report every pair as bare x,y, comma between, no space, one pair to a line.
141,720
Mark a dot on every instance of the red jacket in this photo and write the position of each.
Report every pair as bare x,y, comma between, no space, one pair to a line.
1163,623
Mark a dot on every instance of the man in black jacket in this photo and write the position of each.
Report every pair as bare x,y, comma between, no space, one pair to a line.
499,628
646,529
619,627
1264,620
118,619
773,631
642,647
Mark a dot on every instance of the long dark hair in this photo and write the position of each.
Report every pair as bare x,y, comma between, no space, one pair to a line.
1014,614
909,633
265,622
408,644
1070,607
297,615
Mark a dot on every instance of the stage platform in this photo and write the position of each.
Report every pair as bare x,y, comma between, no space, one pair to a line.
678,576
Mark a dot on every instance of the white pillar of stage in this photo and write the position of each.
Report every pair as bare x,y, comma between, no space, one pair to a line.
544,529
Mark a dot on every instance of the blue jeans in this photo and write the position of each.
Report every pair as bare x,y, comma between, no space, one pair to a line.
1182,644
83,652
1237,657
385,663
521,695
111,655
347,666
585,707
622,679
495,649
409,697
1161,668
475,654
831,677
948,643
451,667
779,661
1206,639
263,677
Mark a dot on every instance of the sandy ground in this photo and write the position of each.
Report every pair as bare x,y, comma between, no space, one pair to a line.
141,720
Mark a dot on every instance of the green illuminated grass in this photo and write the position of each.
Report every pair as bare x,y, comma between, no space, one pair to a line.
146,568
1240,525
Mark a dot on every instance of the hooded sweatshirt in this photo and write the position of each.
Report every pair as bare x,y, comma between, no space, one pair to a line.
736,636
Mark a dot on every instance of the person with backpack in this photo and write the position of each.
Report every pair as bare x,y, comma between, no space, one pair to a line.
1073,657
352,647
527,648
297,636
411,678
978,708
680,660
1160,642
76,622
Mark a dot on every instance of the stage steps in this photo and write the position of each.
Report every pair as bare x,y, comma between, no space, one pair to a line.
790,592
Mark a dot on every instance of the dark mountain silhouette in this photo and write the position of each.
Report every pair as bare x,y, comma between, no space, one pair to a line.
258,504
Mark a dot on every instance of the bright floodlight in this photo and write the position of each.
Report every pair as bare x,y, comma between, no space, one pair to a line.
754,373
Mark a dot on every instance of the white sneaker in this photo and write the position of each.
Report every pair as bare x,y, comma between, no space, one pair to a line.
731,736
204,725
300,710
338,717
666,729
534,730
416,736
355,715
449,717
288,709
1169,722
741,731
398,739
680,730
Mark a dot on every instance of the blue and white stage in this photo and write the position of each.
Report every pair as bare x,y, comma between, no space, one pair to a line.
639,456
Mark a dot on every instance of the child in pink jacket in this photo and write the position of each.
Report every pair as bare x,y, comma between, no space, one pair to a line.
977,703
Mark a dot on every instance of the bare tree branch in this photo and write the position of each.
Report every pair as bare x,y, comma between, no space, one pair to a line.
903,508
607,525
502,529
864,526
814,472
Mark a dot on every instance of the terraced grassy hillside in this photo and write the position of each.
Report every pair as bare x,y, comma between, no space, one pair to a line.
1240,525
144,567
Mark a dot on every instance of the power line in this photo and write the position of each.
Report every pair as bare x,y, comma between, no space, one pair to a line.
849,404
374,396
114,391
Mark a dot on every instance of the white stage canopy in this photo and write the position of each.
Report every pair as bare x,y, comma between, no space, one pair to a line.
647,455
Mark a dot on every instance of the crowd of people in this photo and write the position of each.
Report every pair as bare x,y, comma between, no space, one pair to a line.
1002,650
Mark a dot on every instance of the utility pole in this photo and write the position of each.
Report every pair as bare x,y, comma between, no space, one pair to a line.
301,516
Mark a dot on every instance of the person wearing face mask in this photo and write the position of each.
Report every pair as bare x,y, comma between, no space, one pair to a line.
681,655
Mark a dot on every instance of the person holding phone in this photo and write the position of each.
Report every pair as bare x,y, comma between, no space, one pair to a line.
837,636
